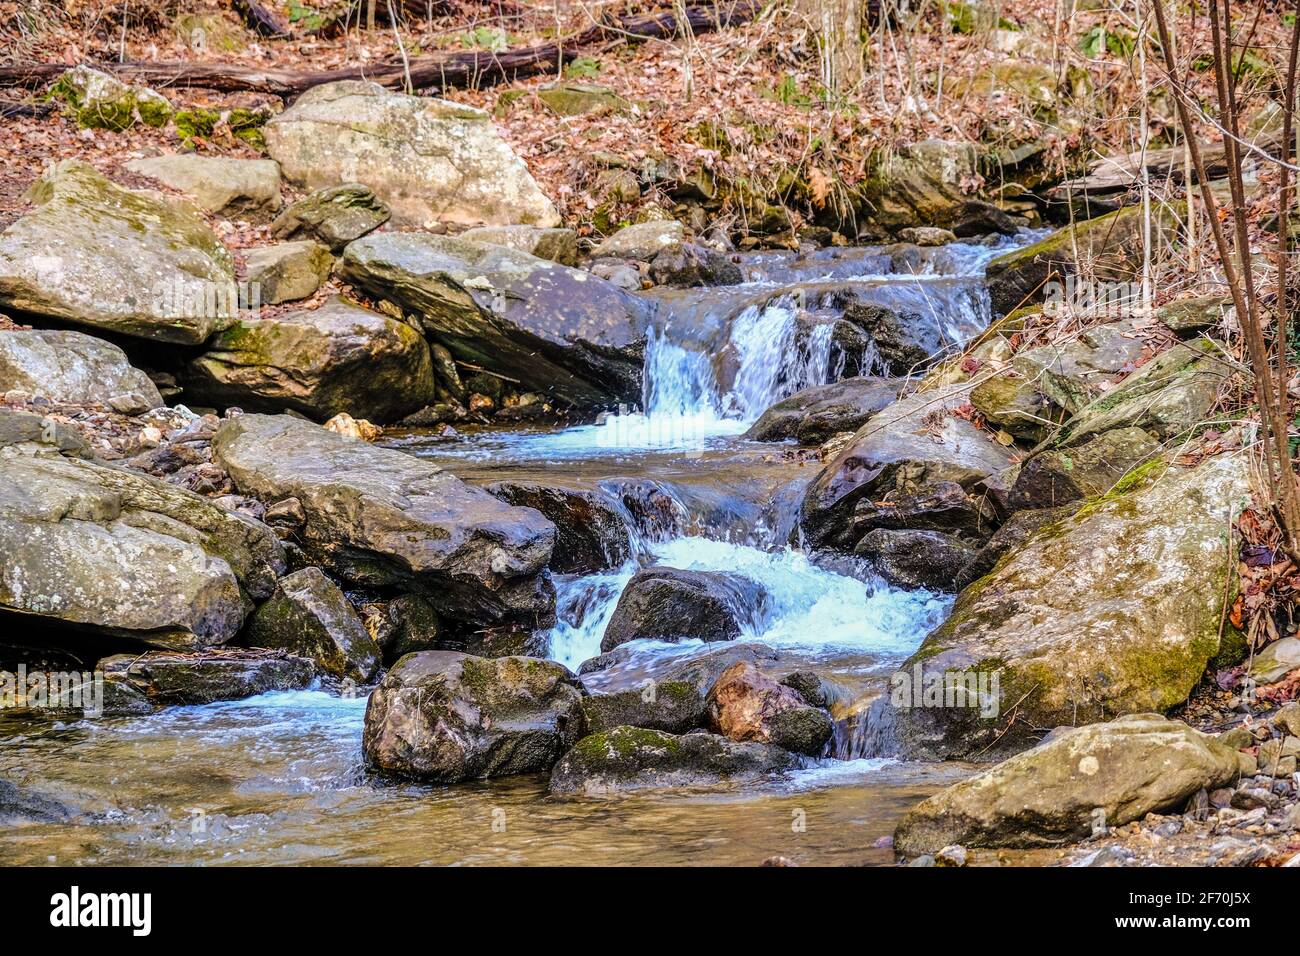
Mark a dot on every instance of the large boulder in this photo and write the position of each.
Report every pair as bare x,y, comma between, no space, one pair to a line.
1077,784
122,554
1108,246
557,331
168,678
635,758
1116,609
95,254
815,414
340,357
219,184
311,618
446,717
745,704
430,160
592,532
667,604
383,518
66,366
914,443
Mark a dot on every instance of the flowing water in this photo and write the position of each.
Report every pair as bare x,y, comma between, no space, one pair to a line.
279,778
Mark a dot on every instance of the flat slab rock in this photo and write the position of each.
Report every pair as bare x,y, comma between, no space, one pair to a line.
131,262
815,414
127,554
1104,774
383,518
138,682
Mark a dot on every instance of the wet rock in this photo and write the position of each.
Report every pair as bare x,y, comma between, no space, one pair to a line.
688,265
383,518
916,559
667,604
900,343
914,443
815,414
643,241
1167,397
927,236
1056,477
88,545
165,678
71,367
555,244
592,533
939,506
1110,245
430,160
1152,562
557,331
745,704
288,271
233,188
308,616
333,216
1100,775
1011,536
410,625
150,267
320,362
446,717
20,803
702,670
633,758
671,706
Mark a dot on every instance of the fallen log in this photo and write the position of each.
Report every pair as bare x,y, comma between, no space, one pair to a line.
461,69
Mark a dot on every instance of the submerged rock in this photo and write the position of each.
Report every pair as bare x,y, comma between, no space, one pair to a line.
95,254
127,555
320,362
816,414
667,604
745,704
592,533
383,518
556,331
20,803
309,617
66,366
633,758
1116,609
446,717
165,678
430,160
228,187
1083,781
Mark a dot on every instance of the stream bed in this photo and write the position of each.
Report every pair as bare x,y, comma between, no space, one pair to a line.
279,778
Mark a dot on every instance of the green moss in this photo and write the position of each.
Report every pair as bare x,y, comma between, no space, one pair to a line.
246,125
195,122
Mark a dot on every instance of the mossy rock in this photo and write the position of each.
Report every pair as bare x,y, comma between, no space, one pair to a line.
197,122
579,99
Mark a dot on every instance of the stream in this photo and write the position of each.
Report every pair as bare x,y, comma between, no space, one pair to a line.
279,778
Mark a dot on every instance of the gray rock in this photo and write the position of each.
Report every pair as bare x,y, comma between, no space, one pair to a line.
643,240
66,366
916,559
430,160
320,362
165,678
333,216
308,616
127,555
672,706
632,758
556,244
149,267
667,604
557,331
219,184
592,532
288,271
1057,476
815,414
447,717
1104,774
383,518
